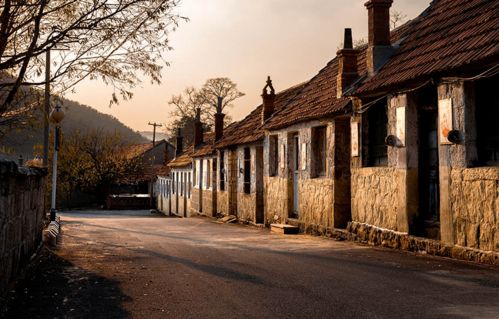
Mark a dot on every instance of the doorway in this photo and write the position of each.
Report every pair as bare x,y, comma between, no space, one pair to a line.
295,174
260,218
427,223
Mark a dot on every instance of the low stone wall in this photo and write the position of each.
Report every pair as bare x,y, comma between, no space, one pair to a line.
208,202
246,207
21,218
475,206
195,201
316,201
375,196
376,236
223,203
275,200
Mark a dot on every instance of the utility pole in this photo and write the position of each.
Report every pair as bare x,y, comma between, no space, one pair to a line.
154,125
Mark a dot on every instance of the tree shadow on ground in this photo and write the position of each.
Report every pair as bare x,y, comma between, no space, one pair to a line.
55,288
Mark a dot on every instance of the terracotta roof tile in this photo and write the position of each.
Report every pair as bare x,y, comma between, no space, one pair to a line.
448,35
249,129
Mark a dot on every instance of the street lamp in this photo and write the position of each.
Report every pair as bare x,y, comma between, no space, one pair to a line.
56,117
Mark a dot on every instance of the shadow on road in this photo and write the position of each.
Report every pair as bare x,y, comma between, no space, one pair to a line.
55,288
113,214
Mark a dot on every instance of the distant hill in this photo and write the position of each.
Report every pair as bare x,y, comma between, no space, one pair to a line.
77,117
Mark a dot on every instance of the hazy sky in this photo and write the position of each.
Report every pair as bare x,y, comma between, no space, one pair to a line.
245,40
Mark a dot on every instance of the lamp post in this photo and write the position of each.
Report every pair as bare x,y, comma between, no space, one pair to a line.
56,116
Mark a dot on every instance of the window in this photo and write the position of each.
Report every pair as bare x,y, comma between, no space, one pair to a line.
319,151
189,190
273,155
208,174
247,170
487,119
222,170
173,183
194,172
377,118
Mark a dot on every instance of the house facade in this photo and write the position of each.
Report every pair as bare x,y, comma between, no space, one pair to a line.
241,159
424,156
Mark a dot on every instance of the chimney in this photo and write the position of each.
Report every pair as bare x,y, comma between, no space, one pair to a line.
379,49
179,147
347,65
219,121
268,97
198,129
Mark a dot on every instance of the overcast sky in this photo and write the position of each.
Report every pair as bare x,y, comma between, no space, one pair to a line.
290,40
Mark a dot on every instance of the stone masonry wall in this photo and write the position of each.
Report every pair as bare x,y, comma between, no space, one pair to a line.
223,203
316,194
208,203
246,209
316,201
276,200
375,196
475,206
21,218
195,201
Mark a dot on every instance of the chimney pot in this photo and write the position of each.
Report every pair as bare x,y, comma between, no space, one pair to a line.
379,48
348,42
198,129
179,147
268,97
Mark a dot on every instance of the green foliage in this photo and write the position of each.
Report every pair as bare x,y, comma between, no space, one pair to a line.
93,161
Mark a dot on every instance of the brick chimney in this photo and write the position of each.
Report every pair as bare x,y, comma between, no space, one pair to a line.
347,65
219,120
379,49
268,97
179,147
198,129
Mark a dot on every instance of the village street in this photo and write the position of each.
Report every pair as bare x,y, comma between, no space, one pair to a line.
135,264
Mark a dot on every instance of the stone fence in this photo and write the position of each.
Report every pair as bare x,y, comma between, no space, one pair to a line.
21,218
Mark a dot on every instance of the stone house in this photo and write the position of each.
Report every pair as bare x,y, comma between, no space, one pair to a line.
174,190
204,161
306,150
240,160
425,140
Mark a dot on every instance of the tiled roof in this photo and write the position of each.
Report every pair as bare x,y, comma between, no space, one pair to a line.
317,99
136,150
448,35
249,129
207,148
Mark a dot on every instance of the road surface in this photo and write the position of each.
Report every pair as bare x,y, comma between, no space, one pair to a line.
138,265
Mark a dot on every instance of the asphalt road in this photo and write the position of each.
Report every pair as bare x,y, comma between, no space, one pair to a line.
134,264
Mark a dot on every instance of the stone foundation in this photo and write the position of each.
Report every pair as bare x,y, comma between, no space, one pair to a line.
22,213
376,236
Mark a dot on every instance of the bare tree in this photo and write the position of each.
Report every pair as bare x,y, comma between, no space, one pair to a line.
217,94
397,18
113,41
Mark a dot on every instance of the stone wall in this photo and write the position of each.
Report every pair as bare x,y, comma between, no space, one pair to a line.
318,196
475,206
196,201
223,203
208,203
316,201
246,209
276,200
375,192
21,218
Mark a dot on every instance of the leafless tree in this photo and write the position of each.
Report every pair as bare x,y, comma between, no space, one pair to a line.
116,41
397,18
